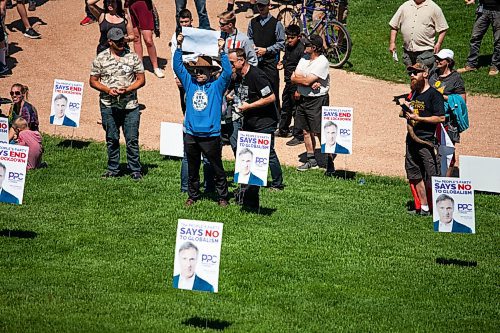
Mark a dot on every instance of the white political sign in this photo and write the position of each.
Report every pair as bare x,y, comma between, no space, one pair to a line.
4,130
171,139
66,103
13,162
197,255
453,200
252,158
201,41
336,130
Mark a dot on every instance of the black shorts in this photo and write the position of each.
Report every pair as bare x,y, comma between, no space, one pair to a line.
308,115
421,161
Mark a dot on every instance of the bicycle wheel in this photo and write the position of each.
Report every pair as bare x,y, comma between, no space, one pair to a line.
338,44
288,16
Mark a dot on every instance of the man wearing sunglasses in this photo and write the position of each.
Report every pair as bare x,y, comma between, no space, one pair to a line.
424,111
202,123
117,73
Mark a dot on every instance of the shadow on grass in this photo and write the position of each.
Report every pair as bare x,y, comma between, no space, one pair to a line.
456,262
172,158
73,144
18,233
214,324
265,211
343,174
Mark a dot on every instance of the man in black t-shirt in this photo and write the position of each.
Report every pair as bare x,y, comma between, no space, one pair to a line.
424,111
294,50
255,100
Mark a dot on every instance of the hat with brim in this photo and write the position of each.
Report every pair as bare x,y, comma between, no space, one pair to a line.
419,67
203,62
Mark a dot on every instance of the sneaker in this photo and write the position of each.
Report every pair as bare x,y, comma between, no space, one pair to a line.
250,13
189,202
136,176
32,6
86,21
31,33
223,203
310,164
466,69
294,142
109,174
159,73
493,71
4,69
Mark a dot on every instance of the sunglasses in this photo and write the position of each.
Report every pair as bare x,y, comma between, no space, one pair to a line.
119,42
16,93
199,71
413,73
222,24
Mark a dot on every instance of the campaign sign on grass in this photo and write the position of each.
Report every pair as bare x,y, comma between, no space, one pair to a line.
13,161
252,158
4,130
66,103
453,200
197,255
336,130
171,139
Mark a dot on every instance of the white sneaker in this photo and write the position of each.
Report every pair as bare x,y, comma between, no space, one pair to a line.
159,73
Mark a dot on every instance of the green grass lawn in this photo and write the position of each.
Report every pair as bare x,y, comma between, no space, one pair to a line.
328,255
368,24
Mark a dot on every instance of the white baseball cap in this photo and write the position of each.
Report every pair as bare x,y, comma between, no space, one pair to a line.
445,54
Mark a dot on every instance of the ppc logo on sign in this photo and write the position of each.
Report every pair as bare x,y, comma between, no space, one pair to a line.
16,177
208,259
74,106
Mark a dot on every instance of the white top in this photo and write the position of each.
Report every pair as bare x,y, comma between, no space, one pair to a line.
318,67
243,179
445,227
186,283
57,121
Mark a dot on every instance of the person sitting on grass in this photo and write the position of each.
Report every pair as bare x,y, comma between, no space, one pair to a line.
31,139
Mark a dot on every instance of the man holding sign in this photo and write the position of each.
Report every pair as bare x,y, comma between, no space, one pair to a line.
204,96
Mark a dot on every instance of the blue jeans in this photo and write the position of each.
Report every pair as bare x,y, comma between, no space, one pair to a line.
483,21
112,119
201,8
208,175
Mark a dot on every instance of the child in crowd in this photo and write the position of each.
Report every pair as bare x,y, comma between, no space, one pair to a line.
28,138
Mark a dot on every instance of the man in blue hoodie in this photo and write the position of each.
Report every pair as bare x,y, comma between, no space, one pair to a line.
204,96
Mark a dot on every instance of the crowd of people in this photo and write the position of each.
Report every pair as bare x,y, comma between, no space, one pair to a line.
240,89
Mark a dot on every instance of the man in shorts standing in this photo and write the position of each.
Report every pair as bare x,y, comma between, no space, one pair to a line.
312,78
424,111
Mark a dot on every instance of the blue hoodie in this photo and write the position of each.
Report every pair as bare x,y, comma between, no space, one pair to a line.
203,101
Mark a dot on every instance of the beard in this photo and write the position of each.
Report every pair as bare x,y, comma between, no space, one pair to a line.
417,85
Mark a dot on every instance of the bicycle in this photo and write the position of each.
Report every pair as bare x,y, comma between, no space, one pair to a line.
337,41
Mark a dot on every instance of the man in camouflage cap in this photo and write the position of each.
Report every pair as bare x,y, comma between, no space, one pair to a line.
117,73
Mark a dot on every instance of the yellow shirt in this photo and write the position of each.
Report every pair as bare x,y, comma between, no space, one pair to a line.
419,24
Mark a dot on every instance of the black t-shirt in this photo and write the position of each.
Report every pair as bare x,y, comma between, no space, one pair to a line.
254,86
291,59
427,104
447,85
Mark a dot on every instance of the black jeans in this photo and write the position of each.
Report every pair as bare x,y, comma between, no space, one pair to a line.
288,106
211,147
